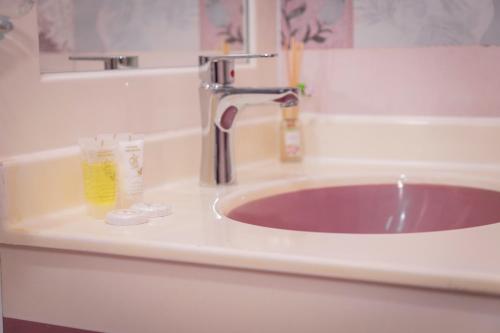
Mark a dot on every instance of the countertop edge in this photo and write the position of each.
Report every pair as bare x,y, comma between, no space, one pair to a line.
264,261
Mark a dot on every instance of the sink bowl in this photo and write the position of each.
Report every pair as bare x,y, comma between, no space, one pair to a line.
373,209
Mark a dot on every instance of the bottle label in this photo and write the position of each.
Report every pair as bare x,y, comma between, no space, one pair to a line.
292,142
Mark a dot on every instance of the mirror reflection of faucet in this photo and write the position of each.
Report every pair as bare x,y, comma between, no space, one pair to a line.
220,102
111,62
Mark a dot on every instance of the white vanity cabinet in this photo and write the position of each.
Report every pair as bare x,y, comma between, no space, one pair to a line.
127,295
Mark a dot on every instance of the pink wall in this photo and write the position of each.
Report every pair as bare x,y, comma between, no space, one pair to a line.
437,81
37,114
40,112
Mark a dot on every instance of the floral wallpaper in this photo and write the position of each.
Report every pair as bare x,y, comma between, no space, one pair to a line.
422,23
55,19
390,23
222,21
139,25
492,34
317,23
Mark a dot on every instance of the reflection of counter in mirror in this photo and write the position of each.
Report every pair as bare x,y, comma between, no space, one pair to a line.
162,33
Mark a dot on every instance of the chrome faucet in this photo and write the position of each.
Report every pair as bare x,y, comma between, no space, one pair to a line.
220,102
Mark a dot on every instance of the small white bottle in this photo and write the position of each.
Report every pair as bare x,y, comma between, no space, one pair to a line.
291,136
130,157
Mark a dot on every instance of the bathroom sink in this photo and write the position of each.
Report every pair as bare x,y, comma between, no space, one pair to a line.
371,208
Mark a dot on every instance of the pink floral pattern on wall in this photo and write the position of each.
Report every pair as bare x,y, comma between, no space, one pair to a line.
56,26
319,24
222,21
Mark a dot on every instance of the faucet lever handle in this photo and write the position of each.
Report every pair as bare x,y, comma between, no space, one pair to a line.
219,69
206,59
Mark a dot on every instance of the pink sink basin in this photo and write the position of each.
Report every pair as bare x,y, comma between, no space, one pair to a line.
374,209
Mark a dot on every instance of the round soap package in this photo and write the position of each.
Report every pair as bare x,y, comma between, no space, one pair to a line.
124,217
152,209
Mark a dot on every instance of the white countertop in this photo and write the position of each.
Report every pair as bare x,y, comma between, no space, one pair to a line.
465,259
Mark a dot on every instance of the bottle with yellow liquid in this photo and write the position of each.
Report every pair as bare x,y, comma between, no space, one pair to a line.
99,174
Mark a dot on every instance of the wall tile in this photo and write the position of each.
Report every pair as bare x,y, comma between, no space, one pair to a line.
326,24
409,23
222,21
319,24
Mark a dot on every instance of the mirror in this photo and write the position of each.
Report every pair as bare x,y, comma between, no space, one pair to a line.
93,35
